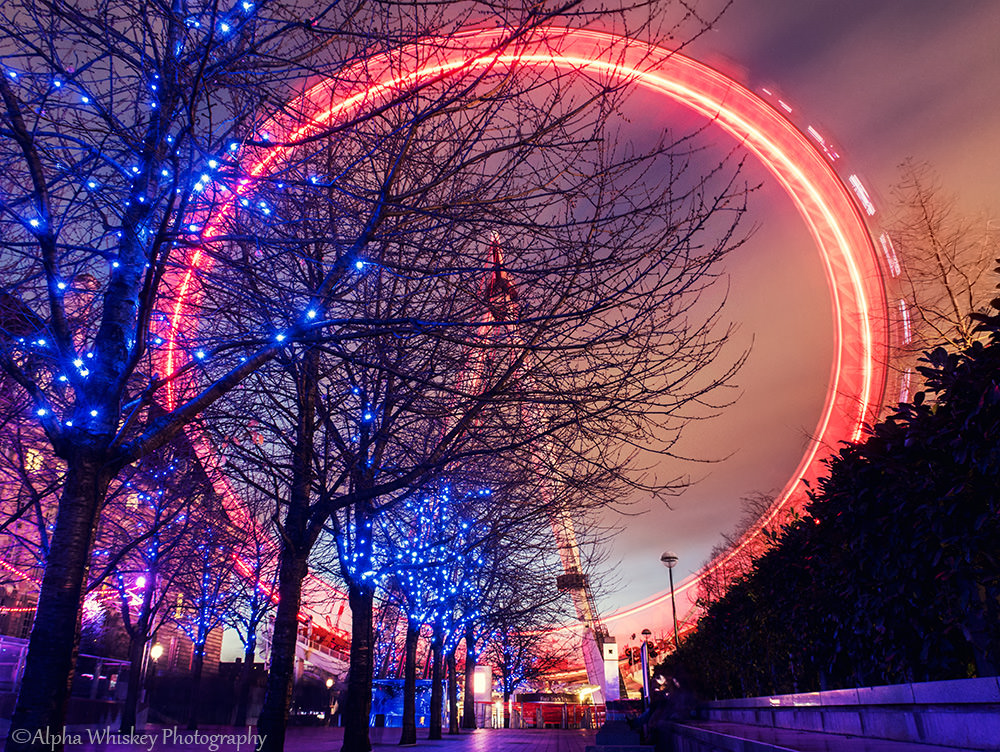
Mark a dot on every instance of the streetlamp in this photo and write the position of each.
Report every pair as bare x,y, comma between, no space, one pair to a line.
155,653
644,653
669,560
329,700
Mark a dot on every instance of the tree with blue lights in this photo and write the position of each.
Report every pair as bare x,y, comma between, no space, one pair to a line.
145,544
205,597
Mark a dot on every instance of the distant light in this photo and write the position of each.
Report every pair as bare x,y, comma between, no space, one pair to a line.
359,265
33,222
42,412
311,314
200,354
280,337
93,413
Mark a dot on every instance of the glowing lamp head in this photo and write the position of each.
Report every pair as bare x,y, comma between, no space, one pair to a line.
156,652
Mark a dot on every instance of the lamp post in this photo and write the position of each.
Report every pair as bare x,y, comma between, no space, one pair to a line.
155,653
645,667
669,560
329,700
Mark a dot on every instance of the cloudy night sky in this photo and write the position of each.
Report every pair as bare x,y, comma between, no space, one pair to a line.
884,80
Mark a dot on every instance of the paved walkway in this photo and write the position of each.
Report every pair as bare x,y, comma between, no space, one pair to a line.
215,739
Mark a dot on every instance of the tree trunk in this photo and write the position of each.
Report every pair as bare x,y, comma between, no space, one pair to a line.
194,688
246,677
358,703
506,706
437,699
452,693
48,669
409,735
136,652
469,706
294,564
278,694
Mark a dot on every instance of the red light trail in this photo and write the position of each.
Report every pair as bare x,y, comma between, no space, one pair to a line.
861,314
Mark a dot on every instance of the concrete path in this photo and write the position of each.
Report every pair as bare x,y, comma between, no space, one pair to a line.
221,739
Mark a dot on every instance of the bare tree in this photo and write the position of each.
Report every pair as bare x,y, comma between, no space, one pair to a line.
733,558
944,258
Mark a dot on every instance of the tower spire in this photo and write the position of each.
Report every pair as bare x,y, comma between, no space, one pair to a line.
501,295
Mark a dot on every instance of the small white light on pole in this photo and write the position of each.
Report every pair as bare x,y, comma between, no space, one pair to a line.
669,560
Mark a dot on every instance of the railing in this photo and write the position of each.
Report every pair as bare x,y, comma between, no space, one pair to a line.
96,677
